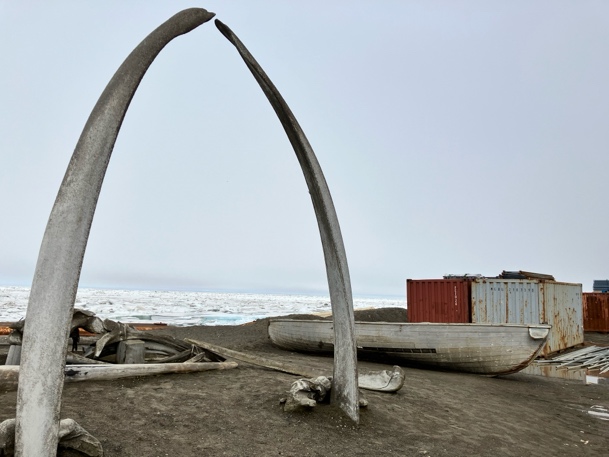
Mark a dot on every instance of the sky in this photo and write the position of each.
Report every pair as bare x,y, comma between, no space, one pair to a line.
456,137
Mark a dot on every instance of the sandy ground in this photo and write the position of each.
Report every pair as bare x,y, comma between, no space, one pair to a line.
237,412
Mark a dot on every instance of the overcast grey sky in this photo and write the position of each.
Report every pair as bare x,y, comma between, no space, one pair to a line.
455,136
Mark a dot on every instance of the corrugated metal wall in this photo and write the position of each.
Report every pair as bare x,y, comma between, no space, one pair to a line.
596,312
438,300
600,285
562,308
512,301
532,302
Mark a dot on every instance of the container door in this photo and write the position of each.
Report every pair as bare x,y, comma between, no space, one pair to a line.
502,301
596,312
563,310
438,300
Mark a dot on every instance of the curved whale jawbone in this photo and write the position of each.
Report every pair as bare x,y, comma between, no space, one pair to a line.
57,273
344,384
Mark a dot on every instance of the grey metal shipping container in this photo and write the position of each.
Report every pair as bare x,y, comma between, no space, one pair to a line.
532,302
505,301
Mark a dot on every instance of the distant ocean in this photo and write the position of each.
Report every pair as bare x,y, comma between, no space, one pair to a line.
184,308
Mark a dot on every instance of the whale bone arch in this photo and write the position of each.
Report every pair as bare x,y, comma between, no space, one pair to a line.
60,258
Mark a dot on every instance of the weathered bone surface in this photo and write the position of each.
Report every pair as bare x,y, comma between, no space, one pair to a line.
71,436
345,355
73,358
87,320
151,347
174,350
307,393
63,246
81,318
383,380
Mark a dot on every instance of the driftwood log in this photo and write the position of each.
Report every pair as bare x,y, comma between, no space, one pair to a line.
76,373
9,374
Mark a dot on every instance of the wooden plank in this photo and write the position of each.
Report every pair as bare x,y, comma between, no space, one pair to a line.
257,360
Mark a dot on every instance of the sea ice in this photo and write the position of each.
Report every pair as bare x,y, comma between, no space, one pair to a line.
184,308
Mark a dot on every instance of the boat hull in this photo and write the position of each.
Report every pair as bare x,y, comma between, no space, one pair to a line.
489,349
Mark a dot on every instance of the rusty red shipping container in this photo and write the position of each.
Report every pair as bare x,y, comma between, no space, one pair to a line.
596,312
438,300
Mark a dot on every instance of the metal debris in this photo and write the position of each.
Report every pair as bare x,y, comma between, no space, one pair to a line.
590,358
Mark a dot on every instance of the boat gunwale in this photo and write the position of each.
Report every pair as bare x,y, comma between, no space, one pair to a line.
430,324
